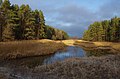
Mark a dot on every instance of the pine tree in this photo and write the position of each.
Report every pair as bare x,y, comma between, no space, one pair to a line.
119,31
24,15
37,24
16,21
108,30
7,33
48,32
42,25
2,21
114,29
21,23
30,28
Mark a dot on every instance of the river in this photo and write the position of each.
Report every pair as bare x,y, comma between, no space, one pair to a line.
32,62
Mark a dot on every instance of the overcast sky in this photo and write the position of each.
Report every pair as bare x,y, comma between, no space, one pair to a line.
74,16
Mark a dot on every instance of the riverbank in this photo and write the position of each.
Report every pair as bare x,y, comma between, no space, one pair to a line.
105,67
19,49
69,42
114,46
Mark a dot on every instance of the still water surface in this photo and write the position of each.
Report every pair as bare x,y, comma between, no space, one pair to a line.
21,68
69,52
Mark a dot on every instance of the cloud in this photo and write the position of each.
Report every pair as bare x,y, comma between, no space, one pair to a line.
73,19
109,9
76,15
81,17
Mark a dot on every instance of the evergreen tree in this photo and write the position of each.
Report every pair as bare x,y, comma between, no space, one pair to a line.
49,31
37,24
7,29
115,29
2,21
21,23
42,25
16,22
108,30
118,31
30,29
24,15
86,35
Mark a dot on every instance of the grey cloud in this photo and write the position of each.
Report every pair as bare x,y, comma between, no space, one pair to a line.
110,9
78,17
73,18
81,17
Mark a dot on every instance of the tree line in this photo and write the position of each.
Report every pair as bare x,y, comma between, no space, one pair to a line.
22,23
107,30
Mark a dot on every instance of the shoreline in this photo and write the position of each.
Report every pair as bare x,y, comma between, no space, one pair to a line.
32,48
115,47
79,68
86,67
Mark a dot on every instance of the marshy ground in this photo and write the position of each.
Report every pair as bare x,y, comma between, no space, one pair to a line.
19,49
85,68
103,67
115,46
106,67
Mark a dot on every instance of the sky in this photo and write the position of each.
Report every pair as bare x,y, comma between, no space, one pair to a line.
74,16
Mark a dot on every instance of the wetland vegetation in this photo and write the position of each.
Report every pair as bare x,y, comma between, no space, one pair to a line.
31,49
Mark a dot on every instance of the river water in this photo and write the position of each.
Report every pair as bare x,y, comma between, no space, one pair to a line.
69,52
32,62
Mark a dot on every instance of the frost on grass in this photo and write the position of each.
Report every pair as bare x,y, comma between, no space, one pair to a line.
82,68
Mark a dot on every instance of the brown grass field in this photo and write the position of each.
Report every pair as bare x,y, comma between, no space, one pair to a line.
82,68
104,67
94,45
19,49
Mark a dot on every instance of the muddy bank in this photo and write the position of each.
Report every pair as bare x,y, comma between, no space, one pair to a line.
20,49
105,67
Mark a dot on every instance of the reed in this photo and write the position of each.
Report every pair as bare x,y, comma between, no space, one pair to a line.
19,49
105,67
94,45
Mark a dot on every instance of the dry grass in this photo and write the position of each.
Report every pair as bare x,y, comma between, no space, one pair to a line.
69,42
86,68
106,67
20,49
107,45
111,44
77,68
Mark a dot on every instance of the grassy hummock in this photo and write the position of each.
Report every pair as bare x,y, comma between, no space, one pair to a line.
106,67
19,49
98,45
